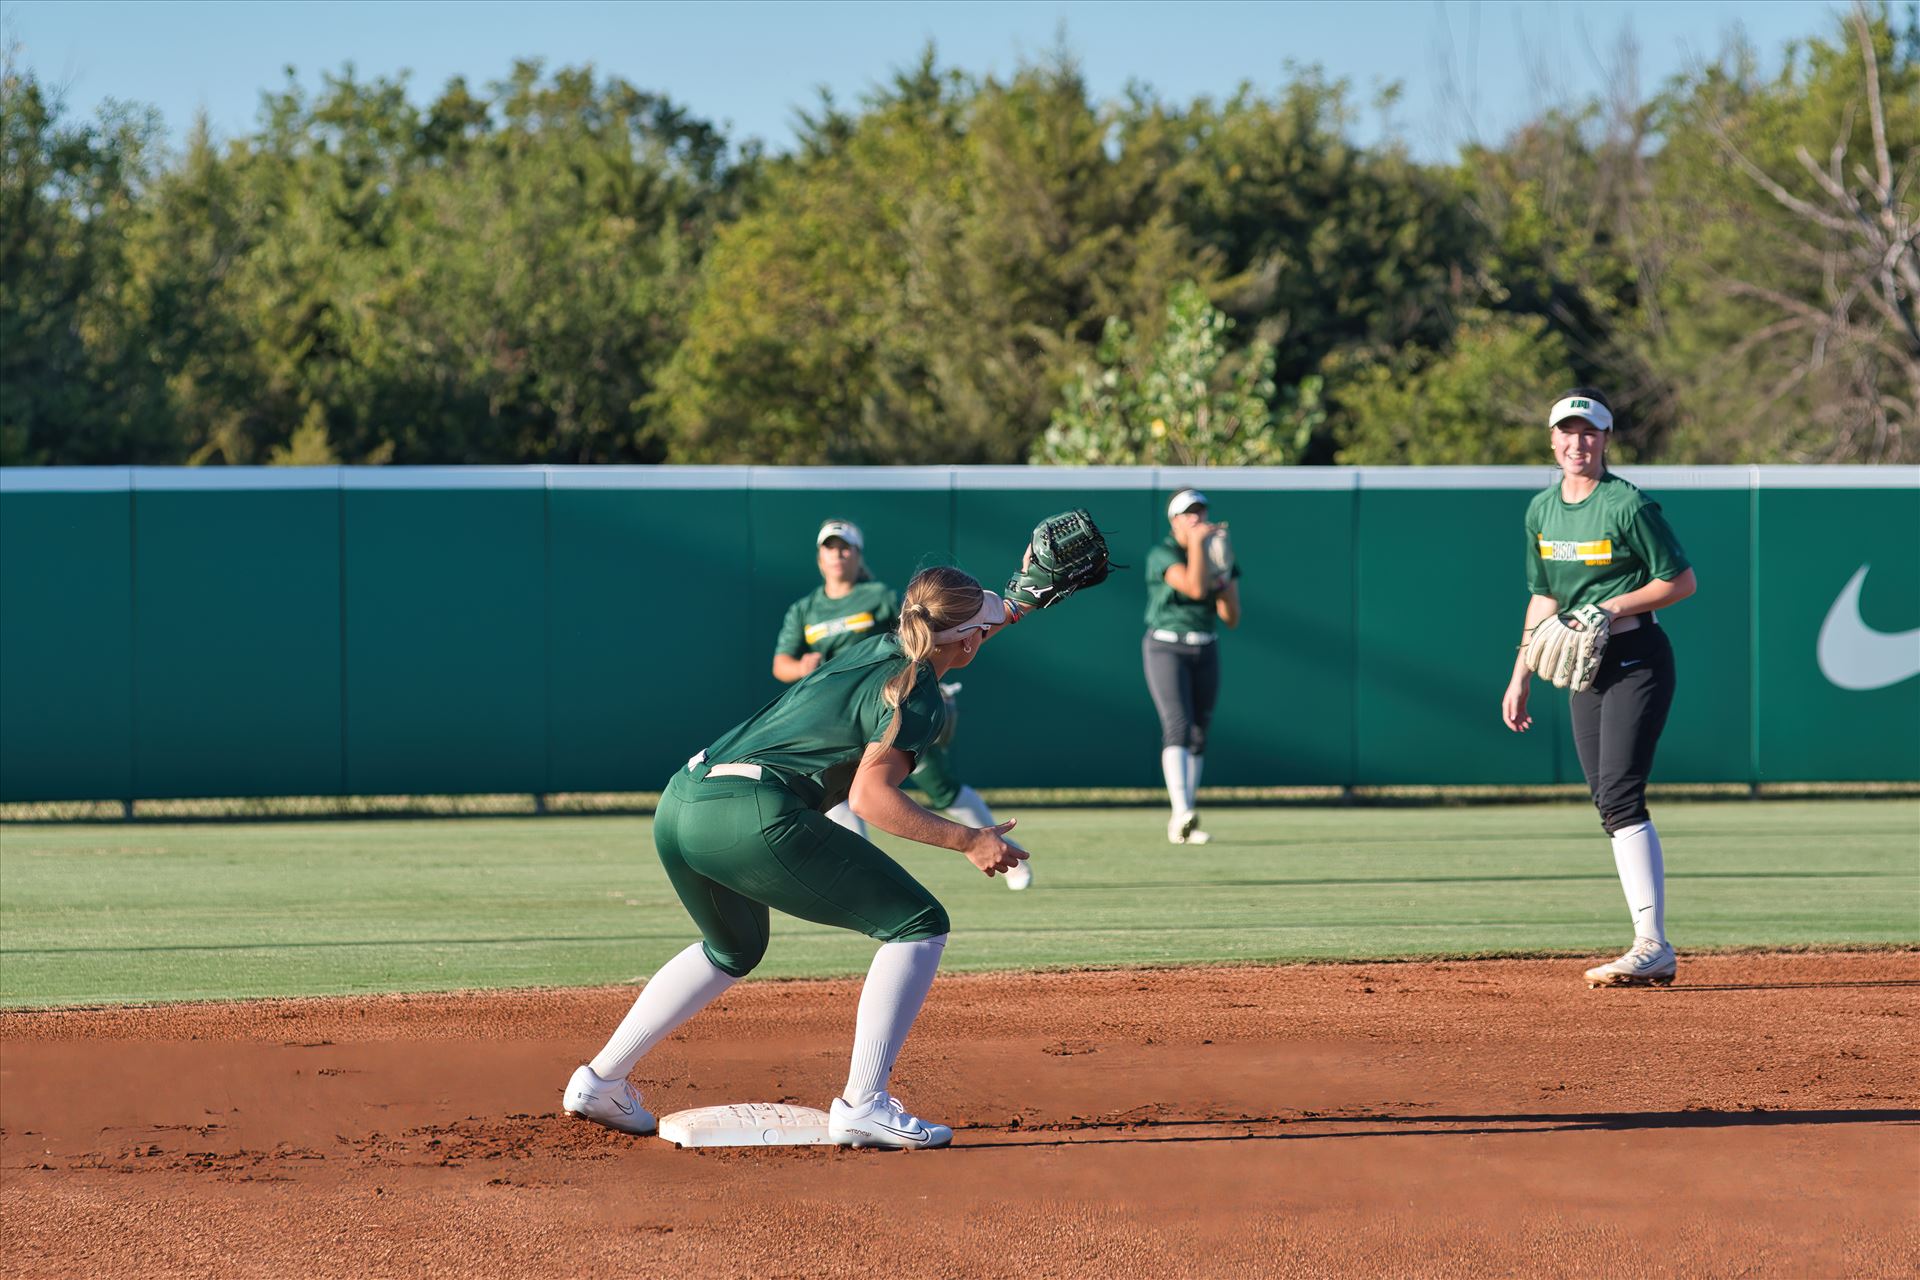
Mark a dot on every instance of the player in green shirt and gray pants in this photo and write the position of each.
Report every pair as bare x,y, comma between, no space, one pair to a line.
847,606
743,829
1593,538
1186,599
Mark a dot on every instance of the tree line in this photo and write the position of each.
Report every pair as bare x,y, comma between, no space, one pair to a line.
564,267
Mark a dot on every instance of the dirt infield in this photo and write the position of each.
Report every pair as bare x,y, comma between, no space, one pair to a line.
1434,1119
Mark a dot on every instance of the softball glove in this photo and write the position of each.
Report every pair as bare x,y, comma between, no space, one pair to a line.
1220,557
1565,648
1067,552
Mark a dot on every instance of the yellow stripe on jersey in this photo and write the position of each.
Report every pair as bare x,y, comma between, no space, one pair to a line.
1591,553
835,626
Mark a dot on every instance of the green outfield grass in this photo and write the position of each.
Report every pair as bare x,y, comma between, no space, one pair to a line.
155,911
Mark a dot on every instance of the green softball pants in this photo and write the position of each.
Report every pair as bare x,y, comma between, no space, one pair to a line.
733,848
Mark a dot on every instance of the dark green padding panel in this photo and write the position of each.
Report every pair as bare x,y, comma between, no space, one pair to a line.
446,611
66,646
227,641
1442,596
237,674
1811,544
653,651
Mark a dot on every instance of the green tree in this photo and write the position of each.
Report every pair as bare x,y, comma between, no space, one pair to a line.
487,279
1480,400
1788,289
1183,399
914,285
1324,247
76,382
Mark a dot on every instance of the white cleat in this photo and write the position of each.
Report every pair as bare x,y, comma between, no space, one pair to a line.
613,1103
1020,877
1184,828
880,1121
1647,964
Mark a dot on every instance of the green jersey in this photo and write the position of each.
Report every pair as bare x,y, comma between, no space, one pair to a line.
1609,543
817,624
813,735
1169,610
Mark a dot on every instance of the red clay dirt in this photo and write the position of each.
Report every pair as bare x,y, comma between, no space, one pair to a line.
1458,1119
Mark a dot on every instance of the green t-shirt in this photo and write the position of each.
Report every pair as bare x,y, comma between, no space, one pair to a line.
814,734
1611,542
1169,610
815,623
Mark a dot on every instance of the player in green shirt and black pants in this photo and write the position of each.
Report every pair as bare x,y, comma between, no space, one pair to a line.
743,828
1186,599
1593,538
847,606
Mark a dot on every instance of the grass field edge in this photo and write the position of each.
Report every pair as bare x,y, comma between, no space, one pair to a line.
9,1009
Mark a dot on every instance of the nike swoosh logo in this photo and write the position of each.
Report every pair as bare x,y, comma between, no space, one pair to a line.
625,1110
1855,656
1636,662
913,1134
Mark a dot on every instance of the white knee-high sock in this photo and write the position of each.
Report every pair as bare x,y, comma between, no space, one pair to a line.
847,818
896,987
970,810
1176,767
1643,877
684,986
1194,765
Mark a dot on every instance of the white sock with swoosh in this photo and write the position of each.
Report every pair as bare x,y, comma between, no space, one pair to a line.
1643,878
896,987
684,986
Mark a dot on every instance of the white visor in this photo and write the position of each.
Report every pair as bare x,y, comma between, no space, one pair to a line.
1581,407
845,530
1185,500
992,613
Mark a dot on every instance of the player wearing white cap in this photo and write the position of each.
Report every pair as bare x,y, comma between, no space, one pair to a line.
847,606
1593,539
1192,586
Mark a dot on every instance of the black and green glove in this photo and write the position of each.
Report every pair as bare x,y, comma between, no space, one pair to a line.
1067,552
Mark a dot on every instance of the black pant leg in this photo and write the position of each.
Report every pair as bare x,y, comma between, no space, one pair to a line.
1171,687
1617,723
1639,696
1204,663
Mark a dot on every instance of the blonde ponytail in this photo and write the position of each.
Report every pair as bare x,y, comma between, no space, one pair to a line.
936,599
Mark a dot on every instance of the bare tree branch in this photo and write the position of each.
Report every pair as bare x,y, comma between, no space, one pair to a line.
1772,188
1876,115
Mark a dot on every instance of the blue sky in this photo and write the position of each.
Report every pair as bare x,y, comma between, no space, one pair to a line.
1470,68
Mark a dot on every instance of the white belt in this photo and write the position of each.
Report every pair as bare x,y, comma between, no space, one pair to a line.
751,772
1184,637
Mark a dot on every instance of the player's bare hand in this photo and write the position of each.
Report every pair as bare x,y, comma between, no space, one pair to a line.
990,851
810,662
1513,707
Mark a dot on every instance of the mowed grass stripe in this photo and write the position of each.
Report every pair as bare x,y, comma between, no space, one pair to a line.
100,914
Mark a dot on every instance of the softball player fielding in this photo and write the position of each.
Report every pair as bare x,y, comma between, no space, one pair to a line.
1594,539
1187,597
743,829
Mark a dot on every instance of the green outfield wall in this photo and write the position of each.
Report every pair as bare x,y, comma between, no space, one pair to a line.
373,631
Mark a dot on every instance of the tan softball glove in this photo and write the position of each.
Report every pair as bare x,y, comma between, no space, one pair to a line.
1565,648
